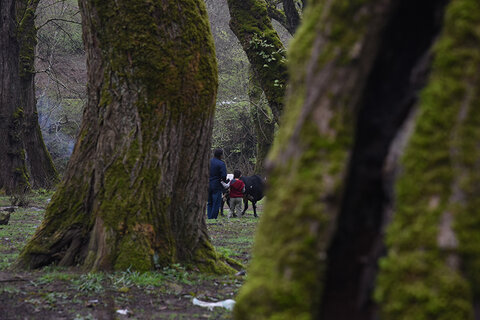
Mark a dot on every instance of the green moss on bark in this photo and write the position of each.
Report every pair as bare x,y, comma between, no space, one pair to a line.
27,35
309,157
145,137
252,26
420,277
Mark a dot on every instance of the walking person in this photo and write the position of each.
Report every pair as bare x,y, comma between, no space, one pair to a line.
218,173
237,189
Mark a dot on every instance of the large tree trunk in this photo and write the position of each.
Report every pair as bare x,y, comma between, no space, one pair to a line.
432,267
42,173
252,26
356,72
13,173
134,192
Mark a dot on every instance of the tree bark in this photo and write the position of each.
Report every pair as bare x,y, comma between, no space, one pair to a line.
40,167
278,15
431,270
292,15
13,173
356,72
252,26
309,159
134,193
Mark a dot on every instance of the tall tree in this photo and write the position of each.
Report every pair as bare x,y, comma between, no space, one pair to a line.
40,167
134,192
13,175
357,69
253,28
25,159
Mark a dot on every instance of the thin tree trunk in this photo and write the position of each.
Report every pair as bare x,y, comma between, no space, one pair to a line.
252,26
13,173
134,193
41,170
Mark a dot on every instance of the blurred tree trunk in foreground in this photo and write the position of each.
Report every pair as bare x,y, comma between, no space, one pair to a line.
134,192
364,74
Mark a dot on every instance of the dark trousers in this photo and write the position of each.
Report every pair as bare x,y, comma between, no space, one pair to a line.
214,202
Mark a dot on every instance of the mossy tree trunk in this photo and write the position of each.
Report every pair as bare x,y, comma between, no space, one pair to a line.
289,17
40,167
13,173
432,267
357,69
134,193
263,123
252,26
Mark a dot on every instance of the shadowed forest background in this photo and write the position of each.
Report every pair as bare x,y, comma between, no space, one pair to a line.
360,115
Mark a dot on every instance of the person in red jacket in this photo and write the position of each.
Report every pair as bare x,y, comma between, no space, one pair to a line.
237,189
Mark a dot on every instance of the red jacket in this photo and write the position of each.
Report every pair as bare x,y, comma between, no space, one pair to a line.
236,188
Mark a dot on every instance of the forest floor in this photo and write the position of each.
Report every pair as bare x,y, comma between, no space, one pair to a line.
60,293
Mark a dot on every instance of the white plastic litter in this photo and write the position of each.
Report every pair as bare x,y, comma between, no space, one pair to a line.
123,311
227,304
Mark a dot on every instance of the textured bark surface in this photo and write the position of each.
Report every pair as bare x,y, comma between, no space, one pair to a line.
40,167
431,271
252,26
134,192
398,74
357,69
13,174
292,15
330,62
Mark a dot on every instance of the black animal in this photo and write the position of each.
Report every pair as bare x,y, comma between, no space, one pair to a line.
254,191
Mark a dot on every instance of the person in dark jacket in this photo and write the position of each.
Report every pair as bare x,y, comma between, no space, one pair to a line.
218,173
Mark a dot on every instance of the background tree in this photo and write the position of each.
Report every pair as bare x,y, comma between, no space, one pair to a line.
252,26
288,16
42,173
133,195
25,160
13,176
356,73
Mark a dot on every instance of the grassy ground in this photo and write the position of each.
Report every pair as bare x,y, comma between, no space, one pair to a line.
56,293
